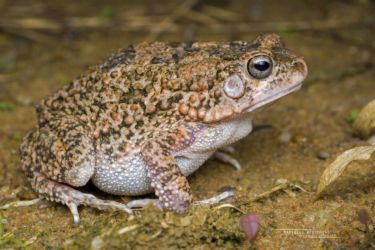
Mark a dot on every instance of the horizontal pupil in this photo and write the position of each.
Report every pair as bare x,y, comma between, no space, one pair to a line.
261,65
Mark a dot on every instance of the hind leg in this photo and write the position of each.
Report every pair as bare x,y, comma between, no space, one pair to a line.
59,157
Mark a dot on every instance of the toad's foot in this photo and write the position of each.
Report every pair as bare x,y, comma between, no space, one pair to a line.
55,191
78,198
211,201
228,149
223,156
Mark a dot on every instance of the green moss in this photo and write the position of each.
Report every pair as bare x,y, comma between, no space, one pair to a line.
8,240
6,106
105,13
63,82
353,115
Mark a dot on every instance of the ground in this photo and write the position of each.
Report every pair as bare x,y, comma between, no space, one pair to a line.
44,45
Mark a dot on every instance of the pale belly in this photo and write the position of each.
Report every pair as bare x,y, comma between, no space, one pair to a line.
128,176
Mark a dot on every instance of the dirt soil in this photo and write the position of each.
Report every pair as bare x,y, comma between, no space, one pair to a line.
295,140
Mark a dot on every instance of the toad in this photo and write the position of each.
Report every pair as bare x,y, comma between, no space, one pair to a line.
151,115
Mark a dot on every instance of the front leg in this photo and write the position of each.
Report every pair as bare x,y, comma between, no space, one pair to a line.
170,185
223,155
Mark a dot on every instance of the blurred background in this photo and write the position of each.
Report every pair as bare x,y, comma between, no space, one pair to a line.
45,44
335,36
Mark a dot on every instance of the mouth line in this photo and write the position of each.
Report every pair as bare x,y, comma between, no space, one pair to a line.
274,97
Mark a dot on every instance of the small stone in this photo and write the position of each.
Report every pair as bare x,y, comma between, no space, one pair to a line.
320,218
323,155
326,243
363,217
163,224
185,221
68,242
281,181
96,243
299,139
371,140
285,137
364,125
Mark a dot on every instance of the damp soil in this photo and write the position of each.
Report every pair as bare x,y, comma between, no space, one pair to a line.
295,139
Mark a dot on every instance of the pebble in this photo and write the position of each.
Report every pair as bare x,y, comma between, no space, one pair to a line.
363,217
320,218
299,139
323,155
281,181
96,243
364,125
185,221
371,140
326,243
285,137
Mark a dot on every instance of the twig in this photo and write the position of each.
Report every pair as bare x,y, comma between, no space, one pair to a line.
143,23
166,23
20,204
227,205
30,28
283,186
200,17
220,13
128,229
314,25
36,23
216,199
26,33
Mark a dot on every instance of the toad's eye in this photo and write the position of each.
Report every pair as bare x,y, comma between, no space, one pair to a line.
260,67
234,87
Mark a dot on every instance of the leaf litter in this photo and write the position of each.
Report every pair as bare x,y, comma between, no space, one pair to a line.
337,167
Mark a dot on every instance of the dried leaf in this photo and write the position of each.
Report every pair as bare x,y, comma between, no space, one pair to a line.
336,168
283,185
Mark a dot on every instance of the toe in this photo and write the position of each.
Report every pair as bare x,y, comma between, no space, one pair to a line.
74,210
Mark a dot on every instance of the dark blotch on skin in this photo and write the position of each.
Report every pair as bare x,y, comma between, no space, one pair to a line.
176,58
188,47
157,60
123,56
